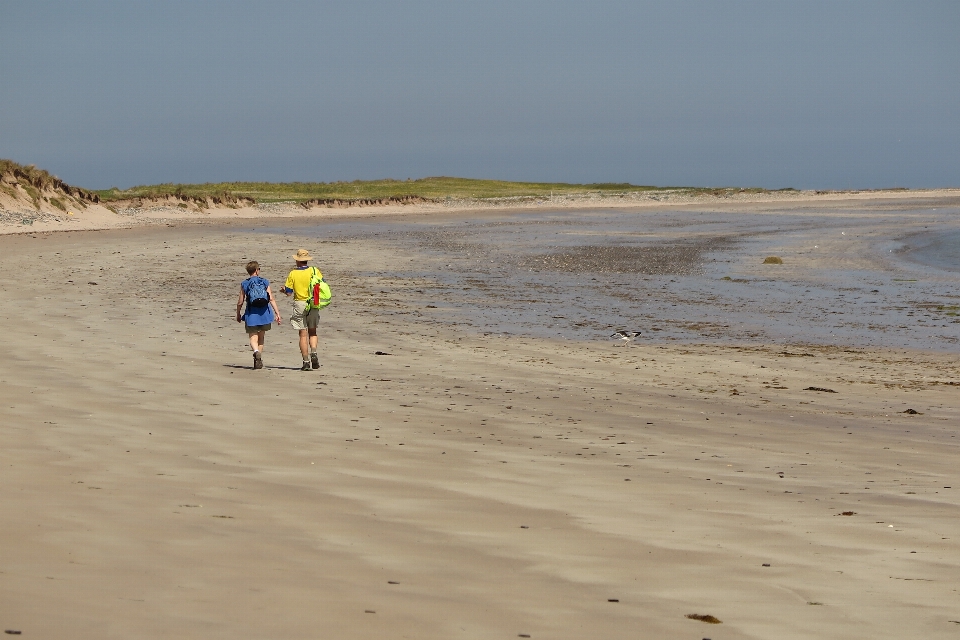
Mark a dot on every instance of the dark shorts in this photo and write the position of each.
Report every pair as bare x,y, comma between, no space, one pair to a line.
257,328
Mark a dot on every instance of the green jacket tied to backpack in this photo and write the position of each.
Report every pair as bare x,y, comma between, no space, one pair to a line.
320,295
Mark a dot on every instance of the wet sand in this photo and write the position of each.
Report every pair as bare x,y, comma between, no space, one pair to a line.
493,475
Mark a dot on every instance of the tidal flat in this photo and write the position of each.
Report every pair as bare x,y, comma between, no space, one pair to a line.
879,275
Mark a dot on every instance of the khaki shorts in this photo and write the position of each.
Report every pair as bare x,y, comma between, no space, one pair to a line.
302,319
258,328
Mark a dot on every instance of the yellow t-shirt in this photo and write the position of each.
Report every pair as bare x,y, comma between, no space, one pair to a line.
299,282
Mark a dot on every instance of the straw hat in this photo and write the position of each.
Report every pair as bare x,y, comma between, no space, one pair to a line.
302,255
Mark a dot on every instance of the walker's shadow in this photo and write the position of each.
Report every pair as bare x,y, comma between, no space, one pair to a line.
266,366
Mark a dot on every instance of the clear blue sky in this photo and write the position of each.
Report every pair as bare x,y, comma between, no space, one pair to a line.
805,94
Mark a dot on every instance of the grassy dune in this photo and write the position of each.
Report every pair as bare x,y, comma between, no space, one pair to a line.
431,188
34,180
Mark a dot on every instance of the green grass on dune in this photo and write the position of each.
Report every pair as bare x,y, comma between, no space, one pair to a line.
431,188
34,180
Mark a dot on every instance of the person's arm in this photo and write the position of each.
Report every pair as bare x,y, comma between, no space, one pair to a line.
288,285
273,303
240,302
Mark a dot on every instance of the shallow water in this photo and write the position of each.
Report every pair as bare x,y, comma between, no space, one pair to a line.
689,276
939,250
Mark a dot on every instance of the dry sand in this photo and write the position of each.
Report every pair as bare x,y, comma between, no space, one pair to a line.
464,486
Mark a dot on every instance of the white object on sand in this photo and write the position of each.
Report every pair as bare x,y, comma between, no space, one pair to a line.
626,336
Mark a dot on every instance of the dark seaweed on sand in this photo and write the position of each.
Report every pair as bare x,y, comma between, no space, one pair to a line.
661,259
704,618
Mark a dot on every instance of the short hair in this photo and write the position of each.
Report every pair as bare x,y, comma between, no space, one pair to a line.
252,267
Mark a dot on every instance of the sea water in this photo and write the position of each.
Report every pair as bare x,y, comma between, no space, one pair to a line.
940,250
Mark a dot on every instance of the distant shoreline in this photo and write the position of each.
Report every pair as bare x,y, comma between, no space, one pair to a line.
169,211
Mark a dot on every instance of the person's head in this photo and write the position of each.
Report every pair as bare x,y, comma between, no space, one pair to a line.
301,257
253,267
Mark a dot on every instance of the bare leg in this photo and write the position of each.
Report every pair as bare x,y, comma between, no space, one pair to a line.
304,351
313,339
256,342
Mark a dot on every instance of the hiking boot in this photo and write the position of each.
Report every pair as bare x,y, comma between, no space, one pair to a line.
305,367
257,360
314,361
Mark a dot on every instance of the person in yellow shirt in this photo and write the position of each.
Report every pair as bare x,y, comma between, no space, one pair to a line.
303,320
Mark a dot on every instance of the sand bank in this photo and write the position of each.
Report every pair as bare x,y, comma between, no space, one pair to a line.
473,483
18,217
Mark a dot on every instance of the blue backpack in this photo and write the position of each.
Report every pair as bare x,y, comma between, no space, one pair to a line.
257,294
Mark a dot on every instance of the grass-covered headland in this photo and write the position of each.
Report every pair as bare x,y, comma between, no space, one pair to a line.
425,188
374,190
39,186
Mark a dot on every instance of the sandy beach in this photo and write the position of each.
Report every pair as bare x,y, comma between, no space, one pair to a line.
476,458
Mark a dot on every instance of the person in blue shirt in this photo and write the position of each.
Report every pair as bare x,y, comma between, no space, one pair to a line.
261,310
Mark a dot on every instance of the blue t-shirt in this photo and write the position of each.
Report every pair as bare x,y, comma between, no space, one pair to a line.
256,316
